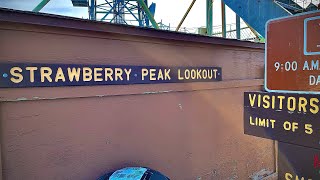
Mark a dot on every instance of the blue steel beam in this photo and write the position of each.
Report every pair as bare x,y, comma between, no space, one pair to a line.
92,12
256,12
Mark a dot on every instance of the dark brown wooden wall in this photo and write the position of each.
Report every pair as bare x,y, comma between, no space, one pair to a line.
186,131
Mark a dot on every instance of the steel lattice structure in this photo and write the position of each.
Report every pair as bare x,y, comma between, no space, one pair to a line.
132,12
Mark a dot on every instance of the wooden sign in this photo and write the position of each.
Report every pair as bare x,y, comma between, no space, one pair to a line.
298,162
293,54
291,118
46,75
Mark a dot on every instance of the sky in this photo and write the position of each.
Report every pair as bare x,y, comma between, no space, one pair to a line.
61,7
169,11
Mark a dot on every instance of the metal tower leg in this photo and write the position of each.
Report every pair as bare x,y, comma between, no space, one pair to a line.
209,17
40,5
148,13
238,27
92,13
223,16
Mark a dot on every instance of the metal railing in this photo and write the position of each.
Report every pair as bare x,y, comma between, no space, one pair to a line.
245,32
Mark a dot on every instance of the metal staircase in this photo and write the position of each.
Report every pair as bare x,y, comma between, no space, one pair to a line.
297,6
257,12
245,32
